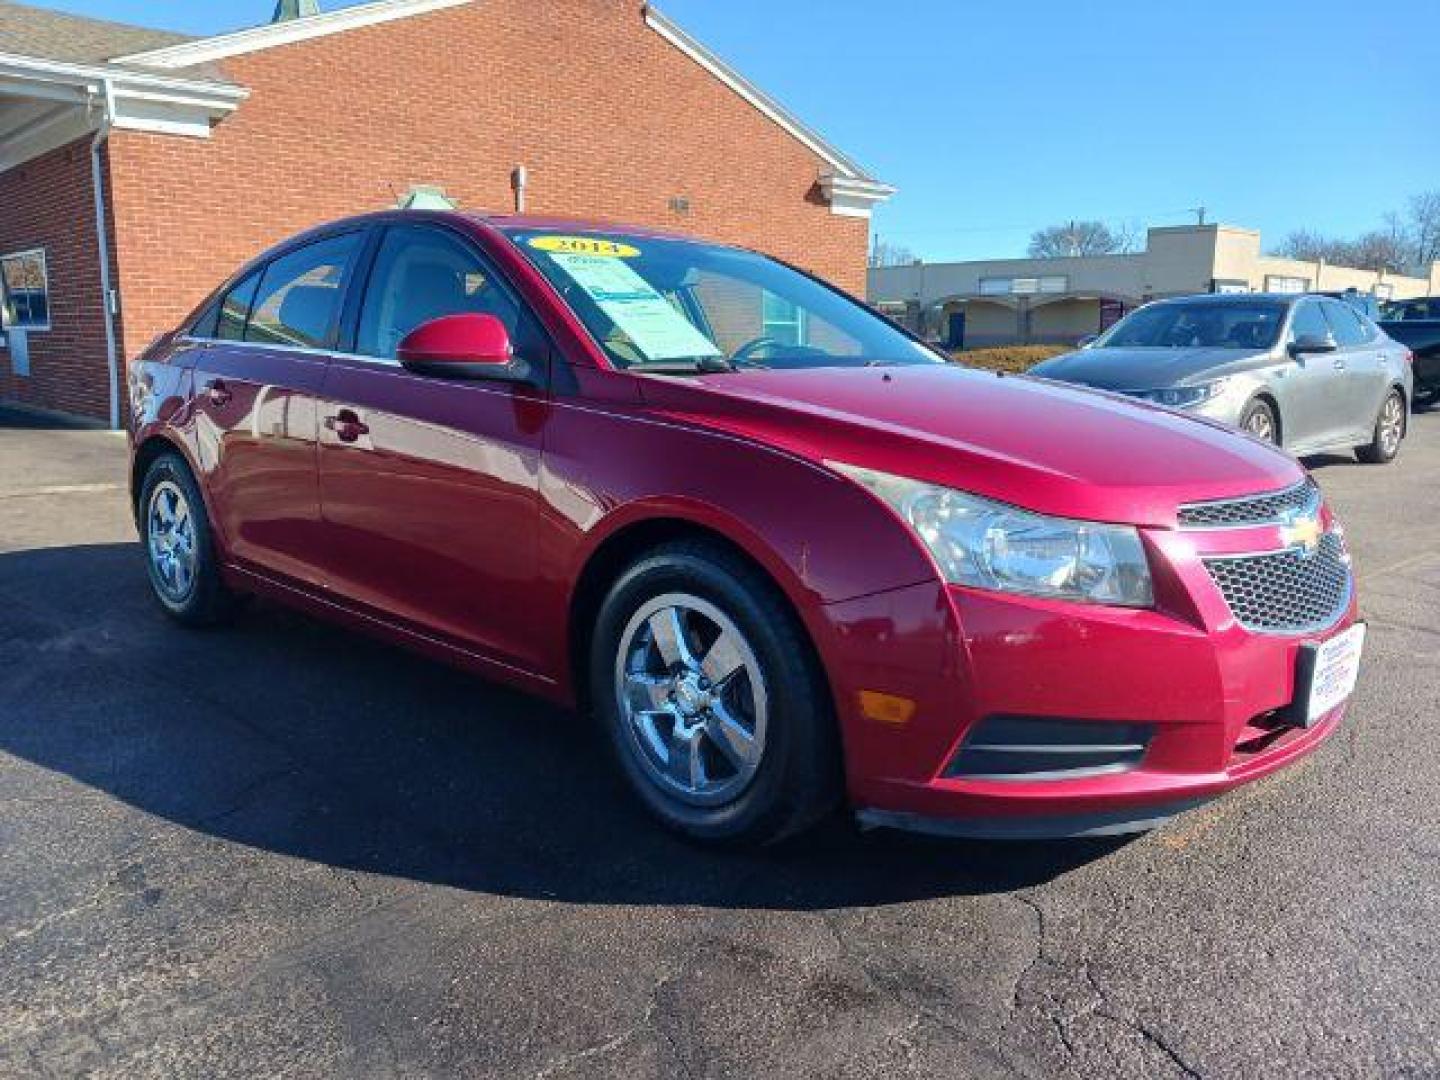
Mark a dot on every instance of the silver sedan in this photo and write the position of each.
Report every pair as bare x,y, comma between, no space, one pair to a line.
1306,372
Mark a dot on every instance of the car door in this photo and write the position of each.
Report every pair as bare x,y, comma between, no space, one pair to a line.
1306,383
429,485
1360,366
257,385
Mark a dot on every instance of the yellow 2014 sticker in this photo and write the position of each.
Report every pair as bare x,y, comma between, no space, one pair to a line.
584,245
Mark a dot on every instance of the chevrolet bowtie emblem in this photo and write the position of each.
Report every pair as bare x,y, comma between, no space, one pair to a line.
1303,533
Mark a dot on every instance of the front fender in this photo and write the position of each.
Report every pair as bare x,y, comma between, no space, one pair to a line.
822,538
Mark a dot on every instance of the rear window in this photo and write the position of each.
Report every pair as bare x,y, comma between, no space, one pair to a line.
235,309
299,296
1413,310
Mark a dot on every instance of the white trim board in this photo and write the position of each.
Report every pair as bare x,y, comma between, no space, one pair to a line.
75,81
256,38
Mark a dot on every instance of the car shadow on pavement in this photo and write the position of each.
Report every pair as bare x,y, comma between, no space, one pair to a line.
43,421
298,738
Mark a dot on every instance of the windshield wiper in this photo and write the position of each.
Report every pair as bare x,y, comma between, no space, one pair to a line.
701,365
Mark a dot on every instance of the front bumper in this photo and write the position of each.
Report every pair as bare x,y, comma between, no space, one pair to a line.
1214,696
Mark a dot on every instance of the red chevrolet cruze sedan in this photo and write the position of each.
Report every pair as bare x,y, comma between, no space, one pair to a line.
782,551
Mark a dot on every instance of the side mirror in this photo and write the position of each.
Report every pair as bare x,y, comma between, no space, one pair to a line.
1311,343
1086,341
467,346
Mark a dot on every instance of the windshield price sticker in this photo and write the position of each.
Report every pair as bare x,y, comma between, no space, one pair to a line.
584,245
637,310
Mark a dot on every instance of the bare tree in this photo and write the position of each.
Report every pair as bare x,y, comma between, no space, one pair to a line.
1424,225
1309,246
1078,238
884,253
1381,249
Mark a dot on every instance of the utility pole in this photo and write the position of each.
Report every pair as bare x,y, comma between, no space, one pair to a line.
1199,213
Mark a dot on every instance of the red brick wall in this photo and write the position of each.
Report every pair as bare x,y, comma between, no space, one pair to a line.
48,203
609,118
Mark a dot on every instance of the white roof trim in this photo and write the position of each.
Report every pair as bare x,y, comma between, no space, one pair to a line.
850,197
91,77
844,166
254,39
144,101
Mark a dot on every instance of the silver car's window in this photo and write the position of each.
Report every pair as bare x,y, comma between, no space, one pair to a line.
1203,324
1309,322
1345,323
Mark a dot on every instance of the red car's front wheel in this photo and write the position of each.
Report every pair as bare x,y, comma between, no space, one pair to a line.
712,697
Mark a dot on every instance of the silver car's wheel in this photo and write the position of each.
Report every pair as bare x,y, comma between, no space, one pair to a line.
693,700
1389,431
1392,425
170,541
1259,422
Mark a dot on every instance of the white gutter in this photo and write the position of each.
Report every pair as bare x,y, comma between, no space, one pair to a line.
102,134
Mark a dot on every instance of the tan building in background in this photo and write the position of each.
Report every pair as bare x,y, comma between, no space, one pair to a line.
1045,301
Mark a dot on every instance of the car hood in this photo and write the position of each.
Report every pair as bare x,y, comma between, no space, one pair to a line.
1048,447
1147,369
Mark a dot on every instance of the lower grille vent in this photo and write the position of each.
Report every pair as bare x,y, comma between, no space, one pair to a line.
1045,748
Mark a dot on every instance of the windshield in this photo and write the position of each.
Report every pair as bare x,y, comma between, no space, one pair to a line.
676,305
1250,324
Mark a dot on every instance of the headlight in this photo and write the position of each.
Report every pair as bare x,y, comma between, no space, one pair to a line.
1183,397
989,545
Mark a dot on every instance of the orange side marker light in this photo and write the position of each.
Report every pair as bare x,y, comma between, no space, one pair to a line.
886,708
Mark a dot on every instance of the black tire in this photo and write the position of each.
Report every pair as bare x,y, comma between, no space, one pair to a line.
206,601
799,778
1385,443
1259,420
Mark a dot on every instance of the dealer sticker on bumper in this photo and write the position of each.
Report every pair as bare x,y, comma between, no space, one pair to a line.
1334,672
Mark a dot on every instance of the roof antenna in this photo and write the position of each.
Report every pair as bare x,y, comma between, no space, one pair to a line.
285,10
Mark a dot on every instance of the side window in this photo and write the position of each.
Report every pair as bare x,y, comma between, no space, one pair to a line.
299,295
1309,322
422,274
235,309
1345,323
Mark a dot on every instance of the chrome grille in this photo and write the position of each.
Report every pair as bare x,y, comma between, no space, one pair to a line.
1289,591
1252,510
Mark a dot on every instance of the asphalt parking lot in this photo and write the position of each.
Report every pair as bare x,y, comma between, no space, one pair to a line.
280,849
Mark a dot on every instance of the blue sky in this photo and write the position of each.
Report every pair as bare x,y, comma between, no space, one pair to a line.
995,119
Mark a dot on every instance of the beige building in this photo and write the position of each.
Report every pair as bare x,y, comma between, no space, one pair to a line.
1042,301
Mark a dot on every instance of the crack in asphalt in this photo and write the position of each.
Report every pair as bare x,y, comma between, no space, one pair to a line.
1062,1024
920,1013
648,1020
1155,1039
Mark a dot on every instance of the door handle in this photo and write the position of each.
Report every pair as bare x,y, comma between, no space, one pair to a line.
1339,364
218,393
347,426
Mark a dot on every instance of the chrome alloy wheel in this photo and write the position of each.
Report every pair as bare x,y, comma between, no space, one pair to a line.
693,699
1392,425
170,541
1260,424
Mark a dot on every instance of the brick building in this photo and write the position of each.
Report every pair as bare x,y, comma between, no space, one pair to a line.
138,167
